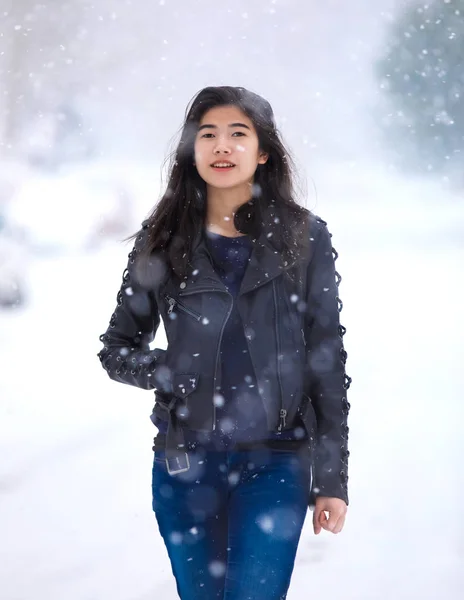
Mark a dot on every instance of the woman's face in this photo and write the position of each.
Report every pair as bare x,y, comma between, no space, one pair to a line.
227,137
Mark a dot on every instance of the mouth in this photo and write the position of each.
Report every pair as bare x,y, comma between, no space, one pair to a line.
222,165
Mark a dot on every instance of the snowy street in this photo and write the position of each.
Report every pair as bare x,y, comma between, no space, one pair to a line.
108,108
75,461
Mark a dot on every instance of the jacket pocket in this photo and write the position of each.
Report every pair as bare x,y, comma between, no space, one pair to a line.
159,456
308,416
181,385
176,304
184,384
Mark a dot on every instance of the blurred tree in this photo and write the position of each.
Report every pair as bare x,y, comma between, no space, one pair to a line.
14,48
37,72
422,77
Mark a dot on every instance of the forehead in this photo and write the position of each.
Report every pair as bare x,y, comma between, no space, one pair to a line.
224,115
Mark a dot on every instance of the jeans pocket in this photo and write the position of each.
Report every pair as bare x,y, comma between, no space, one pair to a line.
159,456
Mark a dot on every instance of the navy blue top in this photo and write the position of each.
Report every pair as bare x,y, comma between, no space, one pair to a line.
240,413
242,416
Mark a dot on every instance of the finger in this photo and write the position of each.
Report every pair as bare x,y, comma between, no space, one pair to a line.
332,521
323,520
317,520
316,526
339,525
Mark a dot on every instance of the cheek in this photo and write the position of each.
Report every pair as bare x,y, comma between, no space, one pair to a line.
199,156
247,150
197,150
248,156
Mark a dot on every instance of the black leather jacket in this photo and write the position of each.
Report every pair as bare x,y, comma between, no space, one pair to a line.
290,315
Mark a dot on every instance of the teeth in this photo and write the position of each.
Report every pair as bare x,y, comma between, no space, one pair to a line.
222,165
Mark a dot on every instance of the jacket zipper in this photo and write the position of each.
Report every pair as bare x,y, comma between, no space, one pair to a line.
218,352
173,303
283,412
282,420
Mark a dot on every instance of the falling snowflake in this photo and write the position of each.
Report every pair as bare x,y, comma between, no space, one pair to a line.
299,433
176,538
234,478
266,523
226,425
218,400
217,568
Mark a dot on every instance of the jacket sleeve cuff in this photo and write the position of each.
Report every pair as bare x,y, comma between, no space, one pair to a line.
334,488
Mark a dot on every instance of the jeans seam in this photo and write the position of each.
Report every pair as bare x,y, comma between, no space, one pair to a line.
228,531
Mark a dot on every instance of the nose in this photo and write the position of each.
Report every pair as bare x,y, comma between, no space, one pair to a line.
222,147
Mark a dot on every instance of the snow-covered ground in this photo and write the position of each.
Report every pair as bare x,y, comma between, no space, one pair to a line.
75,448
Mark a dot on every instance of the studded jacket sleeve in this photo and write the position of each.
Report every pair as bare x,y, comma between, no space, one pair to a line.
126,355
326,359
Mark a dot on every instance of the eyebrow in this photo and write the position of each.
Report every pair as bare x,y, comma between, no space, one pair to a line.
207,126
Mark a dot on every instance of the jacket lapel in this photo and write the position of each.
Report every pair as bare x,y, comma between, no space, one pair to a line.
265,264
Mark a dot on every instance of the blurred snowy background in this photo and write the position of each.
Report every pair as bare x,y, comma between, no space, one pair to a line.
368,96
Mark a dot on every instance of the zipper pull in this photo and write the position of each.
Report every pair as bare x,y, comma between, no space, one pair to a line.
283,420
172,304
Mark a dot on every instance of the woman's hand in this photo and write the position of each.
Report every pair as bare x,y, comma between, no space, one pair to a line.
337,512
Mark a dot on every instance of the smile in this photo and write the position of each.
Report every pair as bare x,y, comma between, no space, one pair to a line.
222,165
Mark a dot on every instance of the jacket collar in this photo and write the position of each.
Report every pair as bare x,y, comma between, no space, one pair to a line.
265,264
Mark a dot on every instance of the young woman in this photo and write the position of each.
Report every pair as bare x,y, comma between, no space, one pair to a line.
250,395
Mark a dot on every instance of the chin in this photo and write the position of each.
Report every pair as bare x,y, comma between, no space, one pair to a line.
221,183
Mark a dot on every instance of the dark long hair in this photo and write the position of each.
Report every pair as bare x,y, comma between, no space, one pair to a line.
179,216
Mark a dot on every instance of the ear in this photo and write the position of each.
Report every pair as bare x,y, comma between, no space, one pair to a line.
263,158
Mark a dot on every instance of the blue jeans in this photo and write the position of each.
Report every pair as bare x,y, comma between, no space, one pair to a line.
232,522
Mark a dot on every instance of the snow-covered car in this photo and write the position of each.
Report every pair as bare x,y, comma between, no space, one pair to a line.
76,209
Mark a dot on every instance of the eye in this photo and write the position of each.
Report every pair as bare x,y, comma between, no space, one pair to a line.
239,133
207,135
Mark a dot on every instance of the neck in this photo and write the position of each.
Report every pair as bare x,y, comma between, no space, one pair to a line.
222,204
